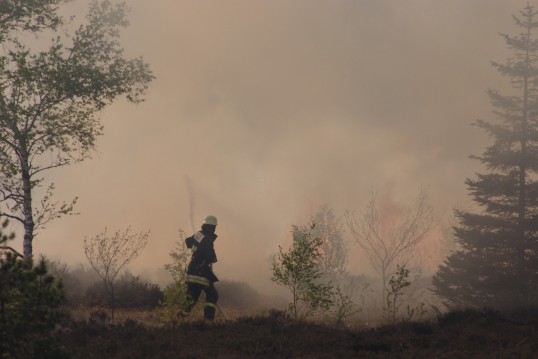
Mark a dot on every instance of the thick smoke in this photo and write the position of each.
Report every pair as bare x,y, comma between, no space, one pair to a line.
190,190
275,107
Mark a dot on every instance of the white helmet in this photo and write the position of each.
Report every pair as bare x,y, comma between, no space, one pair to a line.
211,220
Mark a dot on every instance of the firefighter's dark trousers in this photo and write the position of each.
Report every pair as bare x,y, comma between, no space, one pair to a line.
211,297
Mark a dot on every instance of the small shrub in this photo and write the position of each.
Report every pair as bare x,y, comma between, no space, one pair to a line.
131,292
30,301
398,282
343,307
175,296
98,316
75,281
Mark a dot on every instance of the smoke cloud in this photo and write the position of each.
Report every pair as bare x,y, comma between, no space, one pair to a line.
188,182
269,109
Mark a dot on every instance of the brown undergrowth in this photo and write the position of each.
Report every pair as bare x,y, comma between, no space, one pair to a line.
464,334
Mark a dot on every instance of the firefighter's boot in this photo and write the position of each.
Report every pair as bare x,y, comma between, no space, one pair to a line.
209,311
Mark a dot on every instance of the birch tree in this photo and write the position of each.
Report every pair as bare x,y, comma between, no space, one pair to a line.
298,269
52,89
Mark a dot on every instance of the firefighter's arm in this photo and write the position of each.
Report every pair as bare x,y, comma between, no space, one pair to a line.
195,238
189,242
211,255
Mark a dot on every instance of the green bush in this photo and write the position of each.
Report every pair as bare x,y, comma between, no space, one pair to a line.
298,270
30,301
175,296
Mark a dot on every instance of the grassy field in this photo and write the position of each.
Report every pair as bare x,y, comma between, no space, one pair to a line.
465,334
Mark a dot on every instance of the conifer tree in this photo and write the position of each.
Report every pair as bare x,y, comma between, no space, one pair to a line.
497,262
30,307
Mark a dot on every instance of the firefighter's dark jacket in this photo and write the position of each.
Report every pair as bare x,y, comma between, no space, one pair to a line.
203,255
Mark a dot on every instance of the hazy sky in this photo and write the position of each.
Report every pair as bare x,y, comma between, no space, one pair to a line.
272,108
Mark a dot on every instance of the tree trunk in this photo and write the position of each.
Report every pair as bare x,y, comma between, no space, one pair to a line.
113,299
27,203
522,200
383,289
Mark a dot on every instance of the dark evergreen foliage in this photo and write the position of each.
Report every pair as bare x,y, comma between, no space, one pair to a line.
30,301
5,237
497,262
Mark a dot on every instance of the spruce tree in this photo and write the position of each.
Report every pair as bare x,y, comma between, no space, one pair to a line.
497,262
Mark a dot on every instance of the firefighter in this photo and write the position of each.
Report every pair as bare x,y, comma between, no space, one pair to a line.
200,274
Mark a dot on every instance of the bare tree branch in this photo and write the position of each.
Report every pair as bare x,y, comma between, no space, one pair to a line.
109,255
386,242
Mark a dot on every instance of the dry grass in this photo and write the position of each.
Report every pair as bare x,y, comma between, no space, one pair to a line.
468,334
